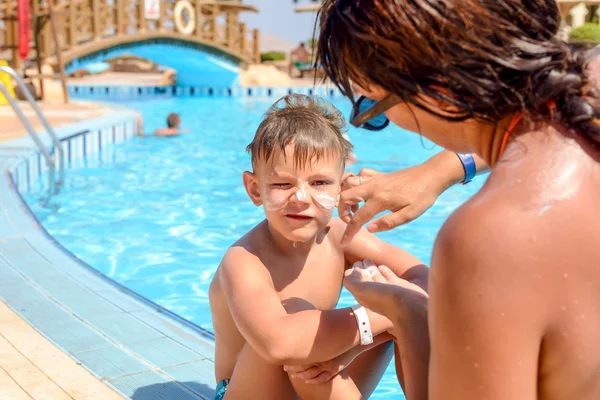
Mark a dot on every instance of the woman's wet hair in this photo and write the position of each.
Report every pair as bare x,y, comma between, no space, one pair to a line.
487,59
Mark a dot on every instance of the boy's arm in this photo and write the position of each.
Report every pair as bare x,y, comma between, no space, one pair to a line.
304,337
367,246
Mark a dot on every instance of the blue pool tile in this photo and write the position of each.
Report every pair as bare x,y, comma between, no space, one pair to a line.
11,283
124,301
66,262
201,373
164,352
49,318
111,362
188,336
59,286
12,243
125,329
19,213
73,336
79,300
32,265
154,386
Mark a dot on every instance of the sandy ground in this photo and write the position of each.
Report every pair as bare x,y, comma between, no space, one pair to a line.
34,368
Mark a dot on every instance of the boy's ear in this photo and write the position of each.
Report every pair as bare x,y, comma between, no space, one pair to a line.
252,188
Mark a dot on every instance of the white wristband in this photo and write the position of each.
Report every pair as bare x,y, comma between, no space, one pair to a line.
364,326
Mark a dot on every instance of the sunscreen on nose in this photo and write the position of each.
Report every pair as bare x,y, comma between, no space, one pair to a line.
301,193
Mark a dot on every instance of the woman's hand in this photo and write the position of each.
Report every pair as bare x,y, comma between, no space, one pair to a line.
407,193
316,374
380,290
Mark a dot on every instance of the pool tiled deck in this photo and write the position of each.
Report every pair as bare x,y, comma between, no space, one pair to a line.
57,114
33,368
52,300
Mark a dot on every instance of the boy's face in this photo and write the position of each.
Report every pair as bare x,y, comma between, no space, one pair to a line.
298,202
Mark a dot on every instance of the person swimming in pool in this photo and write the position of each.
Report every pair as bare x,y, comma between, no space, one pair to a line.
273,296
173,126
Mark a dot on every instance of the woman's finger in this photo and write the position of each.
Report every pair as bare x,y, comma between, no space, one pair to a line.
391,221
296,368
358,274
369,173
348,199
361,217
354,181
310,373
393,279
321,378
388,274
373,271
346,176
350,180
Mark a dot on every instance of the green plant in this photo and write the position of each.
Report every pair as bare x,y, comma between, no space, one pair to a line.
272,56
588,33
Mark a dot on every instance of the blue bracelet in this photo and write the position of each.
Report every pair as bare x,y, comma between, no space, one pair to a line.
469,166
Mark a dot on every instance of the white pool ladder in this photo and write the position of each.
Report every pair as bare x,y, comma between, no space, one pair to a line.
54,185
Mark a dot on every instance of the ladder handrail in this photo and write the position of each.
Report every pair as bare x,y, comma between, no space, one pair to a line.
42,118
36,139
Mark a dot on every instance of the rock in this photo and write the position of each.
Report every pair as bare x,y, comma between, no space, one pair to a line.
168,78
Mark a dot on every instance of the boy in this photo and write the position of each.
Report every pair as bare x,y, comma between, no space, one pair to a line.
173,124
273,296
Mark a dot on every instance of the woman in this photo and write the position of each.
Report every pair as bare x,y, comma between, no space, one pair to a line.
514,311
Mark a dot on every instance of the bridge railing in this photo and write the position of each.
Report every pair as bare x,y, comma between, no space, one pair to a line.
88,23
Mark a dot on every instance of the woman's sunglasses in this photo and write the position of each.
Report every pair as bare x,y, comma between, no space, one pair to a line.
370,114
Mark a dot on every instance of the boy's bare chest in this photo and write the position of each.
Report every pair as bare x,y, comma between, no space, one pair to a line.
314,283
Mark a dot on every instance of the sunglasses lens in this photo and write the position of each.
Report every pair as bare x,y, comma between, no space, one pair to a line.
365,104
377,122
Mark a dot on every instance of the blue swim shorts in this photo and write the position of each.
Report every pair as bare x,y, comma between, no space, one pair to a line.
221,389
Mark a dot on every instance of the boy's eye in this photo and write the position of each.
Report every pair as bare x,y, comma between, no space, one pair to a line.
321,183
281,185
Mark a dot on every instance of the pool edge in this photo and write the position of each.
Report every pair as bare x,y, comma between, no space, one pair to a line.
18,159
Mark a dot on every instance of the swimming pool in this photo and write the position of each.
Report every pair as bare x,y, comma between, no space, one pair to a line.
160,214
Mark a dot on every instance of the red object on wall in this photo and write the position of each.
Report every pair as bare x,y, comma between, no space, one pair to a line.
23,19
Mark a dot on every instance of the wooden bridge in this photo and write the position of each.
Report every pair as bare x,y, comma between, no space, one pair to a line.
87,27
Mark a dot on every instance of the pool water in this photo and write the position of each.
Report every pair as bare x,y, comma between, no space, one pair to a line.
159,216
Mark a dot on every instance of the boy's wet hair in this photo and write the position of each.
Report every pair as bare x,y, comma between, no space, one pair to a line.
310,124
173,120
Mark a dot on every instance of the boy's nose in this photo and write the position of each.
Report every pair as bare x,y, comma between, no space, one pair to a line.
301,197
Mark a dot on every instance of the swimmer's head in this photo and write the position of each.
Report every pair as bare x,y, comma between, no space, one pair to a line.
298,156
173,120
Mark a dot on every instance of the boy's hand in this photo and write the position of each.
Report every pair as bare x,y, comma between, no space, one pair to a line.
317,374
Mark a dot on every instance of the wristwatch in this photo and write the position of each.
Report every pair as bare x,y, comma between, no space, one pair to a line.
468,163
